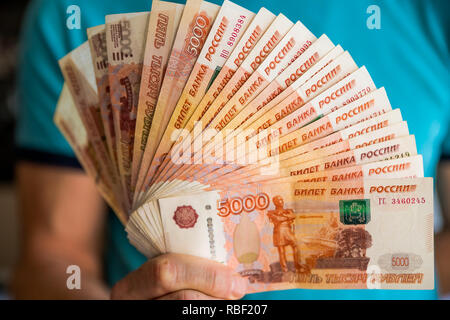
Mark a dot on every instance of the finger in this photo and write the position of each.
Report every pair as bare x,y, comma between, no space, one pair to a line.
187,295
173,272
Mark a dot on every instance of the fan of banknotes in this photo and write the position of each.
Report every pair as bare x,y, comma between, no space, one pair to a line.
243,138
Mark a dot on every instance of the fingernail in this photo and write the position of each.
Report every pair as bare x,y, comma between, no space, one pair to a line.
239,287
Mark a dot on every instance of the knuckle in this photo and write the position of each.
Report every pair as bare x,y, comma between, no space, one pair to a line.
219,281
164,272
214,280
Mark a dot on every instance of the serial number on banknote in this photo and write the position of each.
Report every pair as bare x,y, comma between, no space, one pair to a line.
408,200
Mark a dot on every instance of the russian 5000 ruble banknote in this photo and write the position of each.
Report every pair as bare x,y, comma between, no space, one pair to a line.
162,27
263,47
305,66
289,48
125,43
195,24
80,79
68,120
361,234
97,43
275,119
368,114
213,56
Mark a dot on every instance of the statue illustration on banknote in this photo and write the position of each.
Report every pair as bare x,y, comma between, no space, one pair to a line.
284,232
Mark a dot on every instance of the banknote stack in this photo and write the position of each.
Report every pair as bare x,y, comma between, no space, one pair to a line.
244,138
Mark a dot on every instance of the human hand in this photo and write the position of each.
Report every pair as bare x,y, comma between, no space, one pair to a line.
181,277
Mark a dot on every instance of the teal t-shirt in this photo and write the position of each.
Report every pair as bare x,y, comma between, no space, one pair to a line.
408,55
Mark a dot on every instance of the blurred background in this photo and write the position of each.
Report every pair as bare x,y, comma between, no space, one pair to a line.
10,20
11,13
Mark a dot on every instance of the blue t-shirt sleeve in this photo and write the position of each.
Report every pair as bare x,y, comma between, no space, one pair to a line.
44,40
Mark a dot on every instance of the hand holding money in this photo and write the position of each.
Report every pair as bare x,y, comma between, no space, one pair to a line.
242,138
181,277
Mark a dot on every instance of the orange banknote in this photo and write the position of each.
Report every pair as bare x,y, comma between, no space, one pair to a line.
345,123
125,44
257,28
69,122
268,41
335,72
162,27
97,44
303,67
408,167
359,234
249,40
195,24
80,79
392,141
231,21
